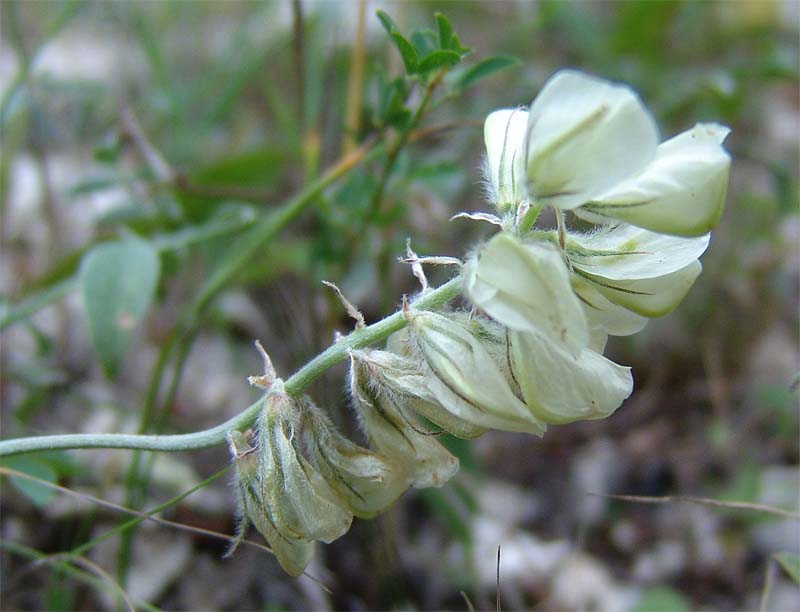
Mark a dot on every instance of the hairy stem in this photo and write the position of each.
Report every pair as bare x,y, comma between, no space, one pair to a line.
294,385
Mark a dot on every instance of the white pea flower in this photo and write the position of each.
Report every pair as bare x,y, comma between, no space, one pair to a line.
464,378
504,132
526,287
591,146
584,135
641,271
559,387
682,191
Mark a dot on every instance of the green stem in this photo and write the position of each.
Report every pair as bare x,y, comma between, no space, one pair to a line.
295,385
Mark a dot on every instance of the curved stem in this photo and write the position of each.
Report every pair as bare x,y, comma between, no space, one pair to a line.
294,385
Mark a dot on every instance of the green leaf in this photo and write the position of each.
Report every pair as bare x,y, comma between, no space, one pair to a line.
35,466
662,599
445,31
257,170
407,52
438,59
790,562
424,41
455,45
117,281
485,68
388,24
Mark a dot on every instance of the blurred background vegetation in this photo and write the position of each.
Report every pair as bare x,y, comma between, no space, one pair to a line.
175,133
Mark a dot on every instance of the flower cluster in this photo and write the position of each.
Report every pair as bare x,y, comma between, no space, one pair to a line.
530,352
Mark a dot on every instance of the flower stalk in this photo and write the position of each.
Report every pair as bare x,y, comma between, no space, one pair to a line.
214,436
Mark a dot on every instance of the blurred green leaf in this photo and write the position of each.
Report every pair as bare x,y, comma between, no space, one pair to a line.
256,170
424,41
790,562
484,69
387,22
662,599
445,31
407,52
391,107
225,222
118,281
438,59
38,467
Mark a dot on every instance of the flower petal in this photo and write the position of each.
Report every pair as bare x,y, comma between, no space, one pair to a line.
504,132
651,297
681,192
628,252
585,135
604,315
465,380
560,388
526,287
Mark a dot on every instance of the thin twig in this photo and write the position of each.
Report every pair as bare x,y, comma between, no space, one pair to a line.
497,581
467,600
143,516
769,575
157,163
92,567
706,501
355,84
294,385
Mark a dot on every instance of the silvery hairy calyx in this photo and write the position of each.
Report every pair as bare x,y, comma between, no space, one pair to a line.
527,352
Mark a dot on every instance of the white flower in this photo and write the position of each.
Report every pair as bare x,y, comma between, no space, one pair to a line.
559,387
463,378
526,287
301,503
585,135
639,270
504,132
402,375
293,553
681,192
591,146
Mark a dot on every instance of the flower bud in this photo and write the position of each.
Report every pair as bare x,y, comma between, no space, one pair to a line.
464,378
561,388
303,504
292,553
367,481
526,287
393,431
403,377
